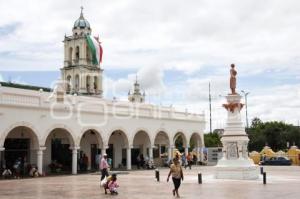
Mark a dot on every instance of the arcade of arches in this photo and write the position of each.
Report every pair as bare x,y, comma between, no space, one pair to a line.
59,152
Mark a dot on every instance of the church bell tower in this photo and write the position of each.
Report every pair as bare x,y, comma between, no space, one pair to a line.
81,72
136,96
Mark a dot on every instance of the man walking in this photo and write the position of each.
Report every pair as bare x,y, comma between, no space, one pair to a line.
104,166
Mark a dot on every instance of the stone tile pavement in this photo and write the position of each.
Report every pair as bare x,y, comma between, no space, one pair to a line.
283,182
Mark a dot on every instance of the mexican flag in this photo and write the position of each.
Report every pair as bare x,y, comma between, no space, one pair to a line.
95,48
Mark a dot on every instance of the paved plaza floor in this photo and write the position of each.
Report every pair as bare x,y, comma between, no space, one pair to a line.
282,182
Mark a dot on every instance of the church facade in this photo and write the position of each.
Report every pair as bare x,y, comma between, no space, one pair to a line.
54,129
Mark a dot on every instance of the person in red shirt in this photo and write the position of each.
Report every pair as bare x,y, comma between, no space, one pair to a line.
189,160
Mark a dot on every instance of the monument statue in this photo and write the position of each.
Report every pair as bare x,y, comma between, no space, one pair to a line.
233,74
235,163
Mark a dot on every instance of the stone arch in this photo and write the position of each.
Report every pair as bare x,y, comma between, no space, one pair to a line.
59,142
141,144
161,131
68,130
117,142
162,144
21,124
97,132
20,142
184,139
136,131
196,136
123,133
91,143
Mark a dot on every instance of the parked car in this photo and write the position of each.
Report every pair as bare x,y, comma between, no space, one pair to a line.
276,161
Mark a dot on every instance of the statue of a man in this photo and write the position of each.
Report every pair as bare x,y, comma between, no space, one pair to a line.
233,74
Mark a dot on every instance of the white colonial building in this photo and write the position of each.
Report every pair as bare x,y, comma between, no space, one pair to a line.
41,126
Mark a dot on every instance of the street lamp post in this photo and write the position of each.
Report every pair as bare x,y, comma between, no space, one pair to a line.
246,104
209,98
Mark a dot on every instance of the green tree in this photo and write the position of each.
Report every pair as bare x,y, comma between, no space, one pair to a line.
212,140
275,134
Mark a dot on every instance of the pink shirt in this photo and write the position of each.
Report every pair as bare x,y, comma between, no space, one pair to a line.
113,185
103,164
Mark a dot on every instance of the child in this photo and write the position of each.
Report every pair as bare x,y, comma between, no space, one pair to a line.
105,186
113,185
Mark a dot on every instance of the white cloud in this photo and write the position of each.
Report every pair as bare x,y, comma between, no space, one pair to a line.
154,36
268,103
171,34
1,78
281,102
150,79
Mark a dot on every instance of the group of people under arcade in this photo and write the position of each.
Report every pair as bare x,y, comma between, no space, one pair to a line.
187,160
18,168
144,163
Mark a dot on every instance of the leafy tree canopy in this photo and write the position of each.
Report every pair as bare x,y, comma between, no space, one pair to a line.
212,140
274,134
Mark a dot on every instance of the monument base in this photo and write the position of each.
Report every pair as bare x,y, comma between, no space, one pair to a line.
240,169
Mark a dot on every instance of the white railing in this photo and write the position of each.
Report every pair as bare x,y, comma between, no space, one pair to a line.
84,104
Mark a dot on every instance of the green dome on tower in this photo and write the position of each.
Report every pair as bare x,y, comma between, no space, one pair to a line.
81,22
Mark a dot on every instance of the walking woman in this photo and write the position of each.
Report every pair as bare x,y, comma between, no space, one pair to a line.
177,175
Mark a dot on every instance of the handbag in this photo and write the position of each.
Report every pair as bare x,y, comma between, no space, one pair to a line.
103,182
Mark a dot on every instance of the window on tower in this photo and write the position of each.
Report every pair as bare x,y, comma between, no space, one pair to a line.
70,55
77,83
69,83
95,83
77,54
88,83
88,55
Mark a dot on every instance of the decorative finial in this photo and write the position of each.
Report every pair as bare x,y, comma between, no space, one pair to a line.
136,78
81,12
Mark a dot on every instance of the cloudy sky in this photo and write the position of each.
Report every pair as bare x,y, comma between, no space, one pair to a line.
176,47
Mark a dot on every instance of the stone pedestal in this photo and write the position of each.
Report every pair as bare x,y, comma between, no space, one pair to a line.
235,163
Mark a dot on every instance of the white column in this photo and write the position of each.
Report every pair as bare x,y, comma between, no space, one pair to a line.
150,153
103,151
199,154
1,149
40,153
128,161
170,151
186,150
159,150
74,160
